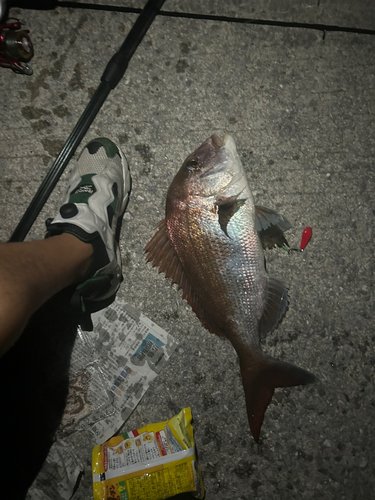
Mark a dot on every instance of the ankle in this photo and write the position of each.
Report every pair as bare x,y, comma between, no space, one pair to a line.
80,254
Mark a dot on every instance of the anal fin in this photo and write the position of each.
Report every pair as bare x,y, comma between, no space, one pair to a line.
276,305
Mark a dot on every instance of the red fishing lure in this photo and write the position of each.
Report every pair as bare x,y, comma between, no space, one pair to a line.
306,236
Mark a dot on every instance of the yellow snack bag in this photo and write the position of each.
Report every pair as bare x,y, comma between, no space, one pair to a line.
154,462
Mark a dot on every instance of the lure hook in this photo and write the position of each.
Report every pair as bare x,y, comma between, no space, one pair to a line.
306,237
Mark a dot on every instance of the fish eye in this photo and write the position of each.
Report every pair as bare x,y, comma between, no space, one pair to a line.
192,165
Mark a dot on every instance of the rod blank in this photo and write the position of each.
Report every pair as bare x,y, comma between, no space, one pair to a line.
111,77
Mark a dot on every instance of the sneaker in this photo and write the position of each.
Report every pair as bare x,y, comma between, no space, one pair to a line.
92,210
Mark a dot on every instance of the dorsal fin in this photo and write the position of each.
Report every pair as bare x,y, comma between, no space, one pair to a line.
271,226
276,305
162,254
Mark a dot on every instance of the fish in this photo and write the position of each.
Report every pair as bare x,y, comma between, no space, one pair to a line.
211,244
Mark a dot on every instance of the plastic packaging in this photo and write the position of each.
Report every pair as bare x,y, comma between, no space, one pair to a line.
154,462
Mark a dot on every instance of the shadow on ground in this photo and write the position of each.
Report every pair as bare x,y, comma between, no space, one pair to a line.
34,385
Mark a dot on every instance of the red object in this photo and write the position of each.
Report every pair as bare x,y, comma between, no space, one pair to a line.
306,236
16,47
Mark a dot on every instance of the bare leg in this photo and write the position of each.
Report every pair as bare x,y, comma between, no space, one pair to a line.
31,273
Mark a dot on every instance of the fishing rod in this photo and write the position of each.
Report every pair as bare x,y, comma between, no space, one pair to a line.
112,75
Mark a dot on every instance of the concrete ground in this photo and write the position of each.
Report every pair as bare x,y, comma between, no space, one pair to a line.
300,106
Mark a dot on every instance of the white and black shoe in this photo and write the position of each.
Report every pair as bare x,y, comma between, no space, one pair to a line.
92,210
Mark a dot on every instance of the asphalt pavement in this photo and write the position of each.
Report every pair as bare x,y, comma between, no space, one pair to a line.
299,101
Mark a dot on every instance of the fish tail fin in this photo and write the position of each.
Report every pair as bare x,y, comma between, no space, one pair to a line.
260,380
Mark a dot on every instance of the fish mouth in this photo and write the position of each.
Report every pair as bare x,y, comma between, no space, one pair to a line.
209,149
215,143
222,154
229,144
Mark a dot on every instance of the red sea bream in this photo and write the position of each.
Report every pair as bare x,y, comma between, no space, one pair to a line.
211,244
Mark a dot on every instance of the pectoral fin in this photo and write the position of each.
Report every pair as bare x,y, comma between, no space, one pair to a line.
227,207
271,226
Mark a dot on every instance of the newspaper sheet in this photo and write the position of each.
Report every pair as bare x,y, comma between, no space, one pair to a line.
111,369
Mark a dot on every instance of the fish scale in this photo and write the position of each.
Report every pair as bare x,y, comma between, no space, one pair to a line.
233,282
